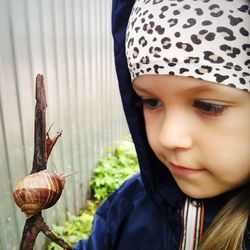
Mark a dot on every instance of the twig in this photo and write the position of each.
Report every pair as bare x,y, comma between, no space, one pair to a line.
39,159
50,143
42,149
52,237
30,231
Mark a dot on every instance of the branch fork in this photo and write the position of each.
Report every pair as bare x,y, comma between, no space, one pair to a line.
43,146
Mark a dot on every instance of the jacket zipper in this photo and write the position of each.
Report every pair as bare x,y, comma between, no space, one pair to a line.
192,223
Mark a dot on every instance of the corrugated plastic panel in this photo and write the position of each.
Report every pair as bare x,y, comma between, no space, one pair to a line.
70,43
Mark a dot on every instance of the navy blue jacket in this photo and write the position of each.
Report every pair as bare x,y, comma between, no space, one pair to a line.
145,212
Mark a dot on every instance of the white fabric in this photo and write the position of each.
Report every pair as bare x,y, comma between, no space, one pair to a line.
206,39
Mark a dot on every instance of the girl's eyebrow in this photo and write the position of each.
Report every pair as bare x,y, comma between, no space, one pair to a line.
204,88
189,90
140,89
212,88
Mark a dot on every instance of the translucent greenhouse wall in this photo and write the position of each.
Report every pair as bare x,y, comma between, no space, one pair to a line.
70,43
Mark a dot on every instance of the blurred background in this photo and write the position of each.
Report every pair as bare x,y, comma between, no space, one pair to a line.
70,43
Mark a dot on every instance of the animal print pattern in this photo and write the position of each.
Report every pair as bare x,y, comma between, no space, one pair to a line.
205,39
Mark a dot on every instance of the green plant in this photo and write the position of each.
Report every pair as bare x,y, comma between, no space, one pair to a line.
75,228
117,164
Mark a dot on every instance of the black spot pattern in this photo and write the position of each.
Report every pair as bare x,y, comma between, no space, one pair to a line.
244,32
234,20
232,52
237,67
199,11
185,46
177,34
204,39
211,57
242,81
163,10
155,51
136,52
243,8
228,65
157,1
195,39
247,63
220,78
176,12
145,60
190,22
160,29
171,62
203,34
215,10
182,70
206,23
203,70
192,60
246,47
149,27
157,67
245,74
143,42
229,35
186,7
172,22
166,42
130,42
137,29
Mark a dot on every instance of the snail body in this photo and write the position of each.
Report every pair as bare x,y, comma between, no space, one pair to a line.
38,191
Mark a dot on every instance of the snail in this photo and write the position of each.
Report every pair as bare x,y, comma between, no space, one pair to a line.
39,191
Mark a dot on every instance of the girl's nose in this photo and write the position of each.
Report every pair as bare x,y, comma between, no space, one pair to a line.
176,131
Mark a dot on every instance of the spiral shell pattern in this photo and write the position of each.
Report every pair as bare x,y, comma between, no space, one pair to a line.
38,191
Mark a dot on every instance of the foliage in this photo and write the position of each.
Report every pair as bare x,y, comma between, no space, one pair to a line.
117,164
113,169
75,228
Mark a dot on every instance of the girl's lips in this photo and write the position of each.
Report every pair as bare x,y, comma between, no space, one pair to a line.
180,170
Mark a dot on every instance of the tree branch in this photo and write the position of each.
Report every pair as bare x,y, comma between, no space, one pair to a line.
42,149
45,229
39,159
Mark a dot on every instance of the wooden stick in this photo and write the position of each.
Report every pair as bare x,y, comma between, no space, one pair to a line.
39,159
52,237
30,231
42,148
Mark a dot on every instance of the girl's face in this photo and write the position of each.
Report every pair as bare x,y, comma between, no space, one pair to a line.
199,130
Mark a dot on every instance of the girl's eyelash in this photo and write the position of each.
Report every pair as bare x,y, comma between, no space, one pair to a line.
207,108
151,103
210,109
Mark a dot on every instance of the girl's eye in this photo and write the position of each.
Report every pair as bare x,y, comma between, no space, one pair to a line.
210,109
151,103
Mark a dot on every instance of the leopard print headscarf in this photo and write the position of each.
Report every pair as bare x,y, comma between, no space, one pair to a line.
205,39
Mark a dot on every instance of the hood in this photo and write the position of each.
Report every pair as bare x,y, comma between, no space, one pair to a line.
157,179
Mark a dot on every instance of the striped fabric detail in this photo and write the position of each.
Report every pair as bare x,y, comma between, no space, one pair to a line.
192,218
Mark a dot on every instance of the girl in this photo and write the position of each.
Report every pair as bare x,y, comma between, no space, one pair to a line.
183,70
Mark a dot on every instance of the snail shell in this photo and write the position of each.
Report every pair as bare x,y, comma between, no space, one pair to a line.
38,191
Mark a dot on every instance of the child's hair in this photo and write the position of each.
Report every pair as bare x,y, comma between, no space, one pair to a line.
229,228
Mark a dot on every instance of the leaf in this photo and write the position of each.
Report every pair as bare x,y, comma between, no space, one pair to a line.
116,165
